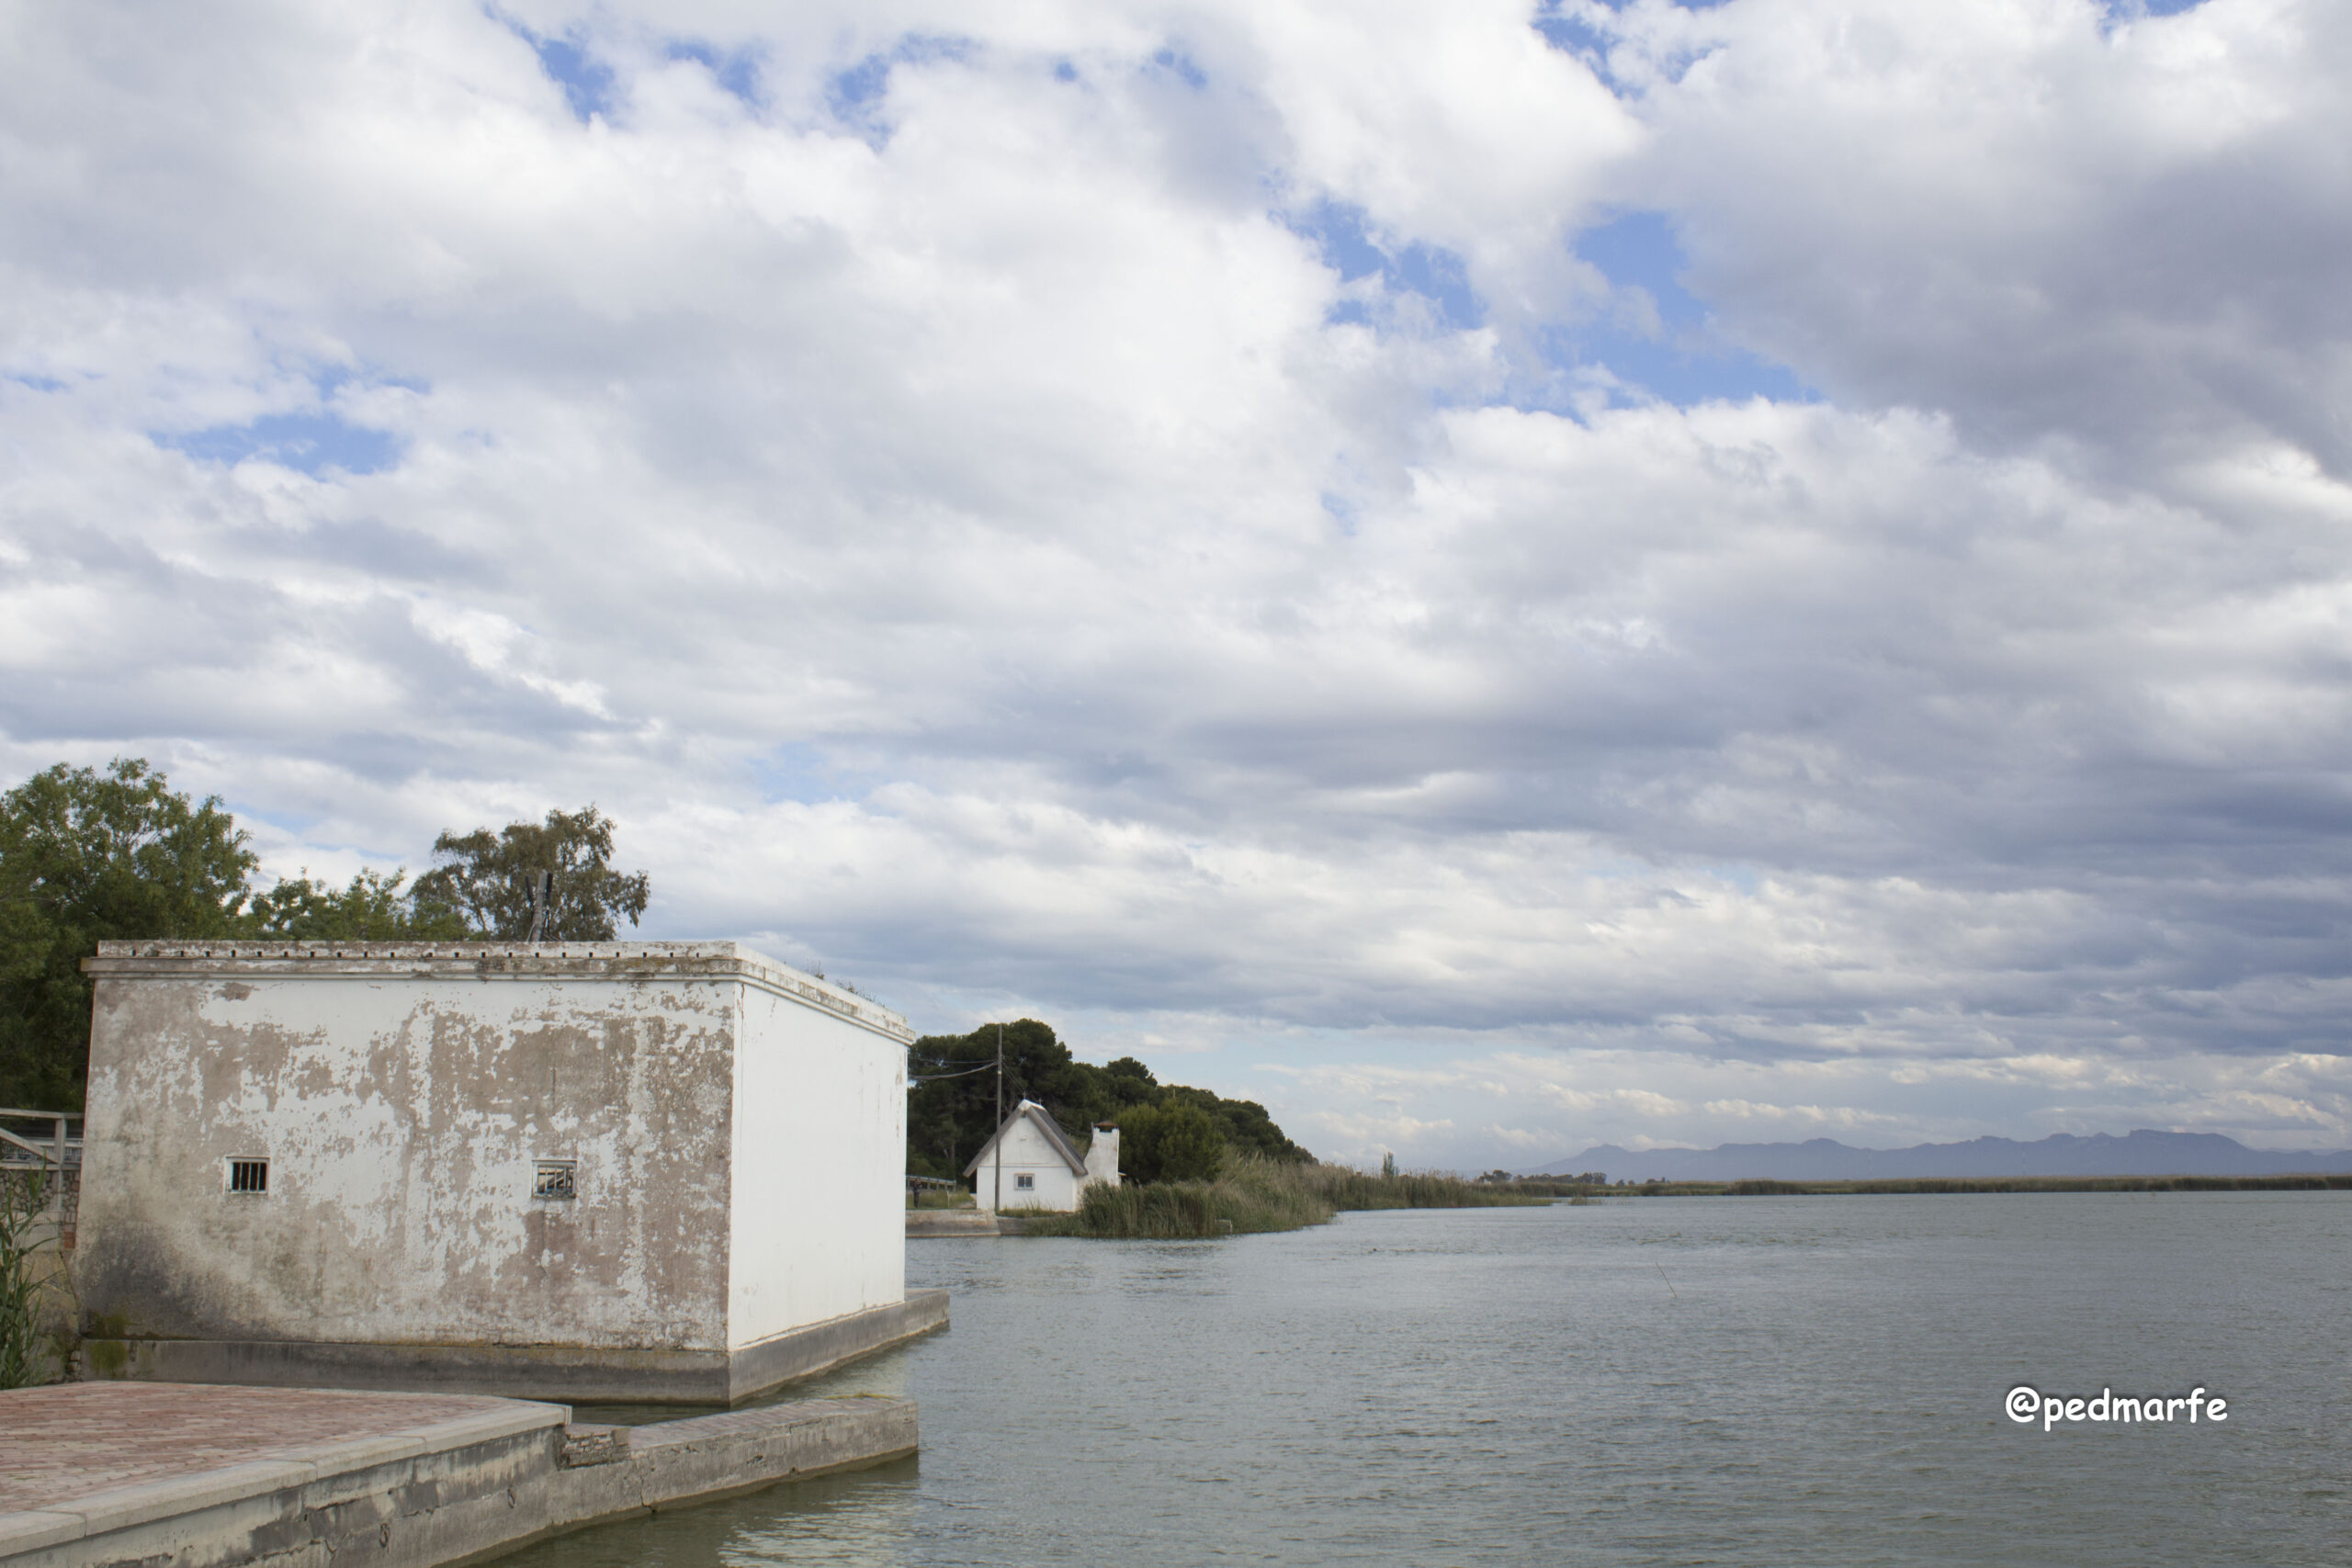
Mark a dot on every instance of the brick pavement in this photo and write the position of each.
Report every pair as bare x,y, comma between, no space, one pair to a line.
72,1440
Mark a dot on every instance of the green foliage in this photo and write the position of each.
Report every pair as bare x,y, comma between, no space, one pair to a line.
480,881
1345,1187
21,1284
1256,1194
952,1114
373,908
1175,1141
89,856
1259,1194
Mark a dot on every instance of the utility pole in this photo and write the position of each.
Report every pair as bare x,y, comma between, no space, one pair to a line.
997,1207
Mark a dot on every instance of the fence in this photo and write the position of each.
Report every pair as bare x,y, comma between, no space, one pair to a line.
47,1145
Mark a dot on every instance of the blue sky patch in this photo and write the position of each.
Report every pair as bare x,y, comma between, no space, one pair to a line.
1348,248
1574,34
313,443
1180,66
1342,510
1680,357
587,82
852,94
737,72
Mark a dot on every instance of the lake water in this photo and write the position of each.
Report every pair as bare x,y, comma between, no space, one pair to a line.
1762,1381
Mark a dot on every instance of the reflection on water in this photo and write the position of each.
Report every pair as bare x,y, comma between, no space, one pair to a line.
851,1521
1762,1381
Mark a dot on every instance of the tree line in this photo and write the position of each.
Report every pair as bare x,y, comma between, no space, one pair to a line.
1166,1131
89,855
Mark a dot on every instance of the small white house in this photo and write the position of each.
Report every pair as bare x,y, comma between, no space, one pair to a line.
1031,1161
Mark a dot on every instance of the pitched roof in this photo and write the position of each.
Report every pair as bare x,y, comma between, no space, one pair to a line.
1046,1124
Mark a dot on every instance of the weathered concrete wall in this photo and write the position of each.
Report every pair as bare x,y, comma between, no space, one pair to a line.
819,1175
405,1097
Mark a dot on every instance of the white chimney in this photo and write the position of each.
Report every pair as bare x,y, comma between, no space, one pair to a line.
1103,1155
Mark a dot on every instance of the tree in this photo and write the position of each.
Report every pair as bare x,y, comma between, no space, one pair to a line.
373,908
952,1108
87,856
1243,1124
1173,1142
1128,1082
483,880
950,1116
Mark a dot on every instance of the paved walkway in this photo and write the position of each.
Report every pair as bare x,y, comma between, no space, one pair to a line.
72,1439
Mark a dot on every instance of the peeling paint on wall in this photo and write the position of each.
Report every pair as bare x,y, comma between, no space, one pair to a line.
405,1097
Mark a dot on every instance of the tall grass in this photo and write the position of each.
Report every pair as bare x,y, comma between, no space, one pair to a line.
1258,1194
22,1279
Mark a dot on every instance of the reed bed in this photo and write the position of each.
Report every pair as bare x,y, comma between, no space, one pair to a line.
1254,1194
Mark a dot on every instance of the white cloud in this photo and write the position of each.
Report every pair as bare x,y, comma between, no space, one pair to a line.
972,537
2053,220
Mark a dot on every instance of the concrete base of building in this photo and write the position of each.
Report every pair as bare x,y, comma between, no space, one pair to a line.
575,1374
448,1492
928,1223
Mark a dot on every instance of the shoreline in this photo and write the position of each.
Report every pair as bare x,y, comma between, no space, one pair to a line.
1961,1185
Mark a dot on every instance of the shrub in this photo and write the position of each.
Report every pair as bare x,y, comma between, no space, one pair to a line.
1170,1143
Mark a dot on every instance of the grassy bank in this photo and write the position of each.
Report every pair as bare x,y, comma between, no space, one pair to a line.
1256,1194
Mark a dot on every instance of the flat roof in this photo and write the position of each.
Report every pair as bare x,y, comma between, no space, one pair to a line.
489,960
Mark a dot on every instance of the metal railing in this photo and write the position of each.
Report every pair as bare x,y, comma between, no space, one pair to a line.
919,1185
49,1139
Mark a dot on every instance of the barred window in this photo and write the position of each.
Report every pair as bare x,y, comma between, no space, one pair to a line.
249,1176
556,1180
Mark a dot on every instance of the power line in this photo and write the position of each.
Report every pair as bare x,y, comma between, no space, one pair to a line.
941,1078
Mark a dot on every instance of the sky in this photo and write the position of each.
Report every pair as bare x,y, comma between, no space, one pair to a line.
1494,577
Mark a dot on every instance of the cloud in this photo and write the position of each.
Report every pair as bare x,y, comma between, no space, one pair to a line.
2050,219
1788,555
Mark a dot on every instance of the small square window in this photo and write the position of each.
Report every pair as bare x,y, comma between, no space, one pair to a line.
1024,1181
556,1180
249,1176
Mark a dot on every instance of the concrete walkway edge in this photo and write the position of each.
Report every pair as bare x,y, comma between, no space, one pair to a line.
570,1373
453,1491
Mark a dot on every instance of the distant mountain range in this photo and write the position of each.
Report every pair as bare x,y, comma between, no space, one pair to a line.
2143,1153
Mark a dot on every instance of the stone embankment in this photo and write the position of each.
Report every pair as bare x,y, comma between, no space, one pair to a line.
211,1477
932,1223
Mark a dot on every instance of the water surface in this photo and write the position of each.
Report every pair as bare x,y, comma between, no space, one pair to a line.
1650,1380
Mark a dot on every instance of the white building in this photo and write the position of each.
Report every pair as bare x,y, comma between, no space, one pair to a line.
654,1170
1031,1161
